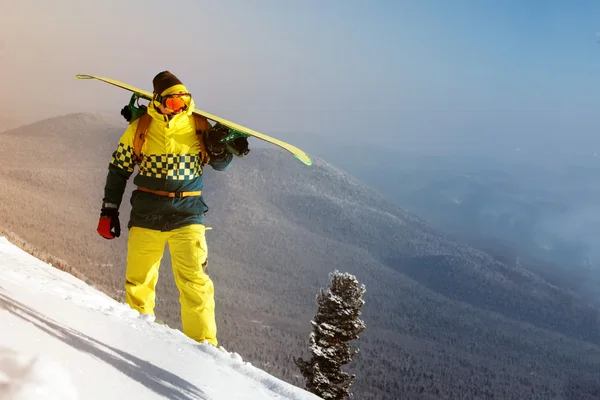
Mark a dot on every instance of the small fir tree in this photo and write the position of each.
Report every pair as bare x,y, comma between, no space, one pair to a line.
336,323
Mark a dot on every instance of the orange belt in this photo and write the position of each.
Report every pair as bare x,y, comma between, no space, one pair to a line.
169,194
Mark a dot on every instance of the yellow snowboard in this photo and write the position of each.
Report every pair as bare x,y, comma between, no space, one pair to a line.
299,154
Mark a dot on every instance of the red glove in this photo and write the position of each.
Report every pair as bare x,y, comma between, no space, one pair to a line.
109,226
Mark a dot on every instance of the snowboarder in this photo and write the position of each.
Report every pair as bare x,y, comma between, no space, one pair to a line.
167,206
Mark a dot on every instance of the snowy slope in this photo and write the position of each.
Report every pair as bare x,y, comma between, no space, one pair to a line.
62,339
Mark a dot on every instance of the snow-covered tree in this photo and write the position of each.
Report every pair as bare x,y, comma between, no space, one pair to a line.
336,323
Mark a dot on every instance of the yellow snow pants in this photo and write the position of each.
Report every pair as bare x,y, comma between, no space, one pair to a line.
188,249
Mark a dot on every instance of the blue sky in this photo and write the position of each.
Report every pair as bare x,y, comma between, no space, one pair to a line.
470,75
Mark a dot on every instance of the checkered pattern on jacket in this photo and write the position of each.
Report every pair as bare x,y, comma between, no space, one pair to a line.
171,166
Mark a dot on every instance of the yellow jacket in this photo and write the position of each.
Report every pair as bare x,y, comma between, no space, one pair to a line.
170,161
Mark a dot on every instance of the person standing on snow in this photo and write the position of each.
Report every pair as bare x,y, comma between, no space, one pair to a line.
168,206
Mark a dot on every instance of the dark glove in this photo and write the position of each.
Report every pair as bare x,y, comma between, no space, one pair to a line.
214,147
239,147
109,226
126,113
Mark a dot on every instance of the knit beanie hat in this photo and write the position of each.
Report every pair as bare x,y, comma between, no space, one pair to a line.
163,81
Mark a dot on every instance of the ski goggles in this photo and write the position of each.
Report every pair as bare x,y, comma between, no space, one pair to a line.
176,103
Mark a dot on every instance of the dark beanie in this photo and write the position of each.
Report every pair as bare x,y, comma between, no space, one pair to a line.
164,80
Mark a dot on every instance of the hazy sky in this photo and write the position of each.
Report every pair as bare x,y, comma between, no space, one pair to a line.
446,74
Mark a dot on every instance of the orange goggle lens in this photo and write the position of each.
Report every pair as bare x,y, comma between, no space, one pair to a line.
177,102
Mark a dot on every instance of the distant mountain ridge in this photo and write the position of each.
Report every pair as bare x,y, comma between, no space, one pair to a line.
541,213
279,227
8,122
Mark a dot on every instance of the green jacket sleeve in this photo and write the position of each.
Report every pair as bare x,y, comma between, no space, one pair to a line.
116,181
120,169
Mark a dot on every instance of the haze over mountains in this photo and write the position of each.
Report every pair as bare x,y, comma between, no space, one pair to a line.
539,211
443,319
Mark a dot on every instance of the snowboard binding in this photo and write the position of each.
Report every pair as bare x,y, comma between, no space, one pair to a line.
134,109
235,142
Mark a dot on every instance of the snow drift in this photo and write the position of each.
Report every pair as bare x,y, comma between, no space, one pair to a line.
62,339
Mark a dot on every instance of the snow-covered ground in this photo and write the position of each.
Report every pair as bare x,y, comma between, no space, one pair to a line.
62,339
